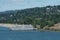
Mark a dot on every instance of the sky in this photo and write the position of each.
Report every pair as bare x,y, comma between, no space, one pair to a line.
23,4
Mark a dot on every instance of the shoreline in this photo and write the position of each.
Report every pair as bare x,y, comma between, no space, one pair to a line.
43,30
13,26
18,26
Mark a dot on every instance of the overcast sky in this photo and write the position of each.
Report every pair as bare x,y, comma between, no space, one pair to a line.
22,4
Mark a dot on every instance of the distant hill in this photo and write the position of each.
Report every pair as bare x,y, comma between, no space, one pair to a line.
42,16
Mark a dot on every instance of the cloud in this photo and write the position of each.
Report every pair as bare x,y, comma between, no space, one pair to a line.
17,1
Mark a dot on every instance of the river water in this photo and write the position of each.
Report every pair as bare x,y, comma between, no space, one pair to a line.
29,35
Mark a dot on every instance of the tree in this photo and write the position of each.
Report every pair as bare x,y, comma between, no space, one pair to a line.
28,20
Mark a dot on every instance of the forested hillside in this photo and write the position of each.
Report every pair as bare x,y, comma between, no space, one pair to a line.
42,16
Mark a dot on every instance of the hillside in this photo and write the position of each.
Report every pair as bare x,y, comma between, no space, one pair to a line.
42,16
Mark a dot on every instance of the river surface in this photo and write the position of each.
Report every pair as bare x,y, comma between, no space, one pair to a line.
28,35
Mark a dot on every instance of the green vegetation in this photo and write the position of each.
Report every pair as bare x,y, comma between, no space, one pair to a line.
42,16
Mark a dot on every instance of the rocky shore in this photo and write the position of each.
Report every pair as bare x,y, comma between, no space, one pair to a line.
56,27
